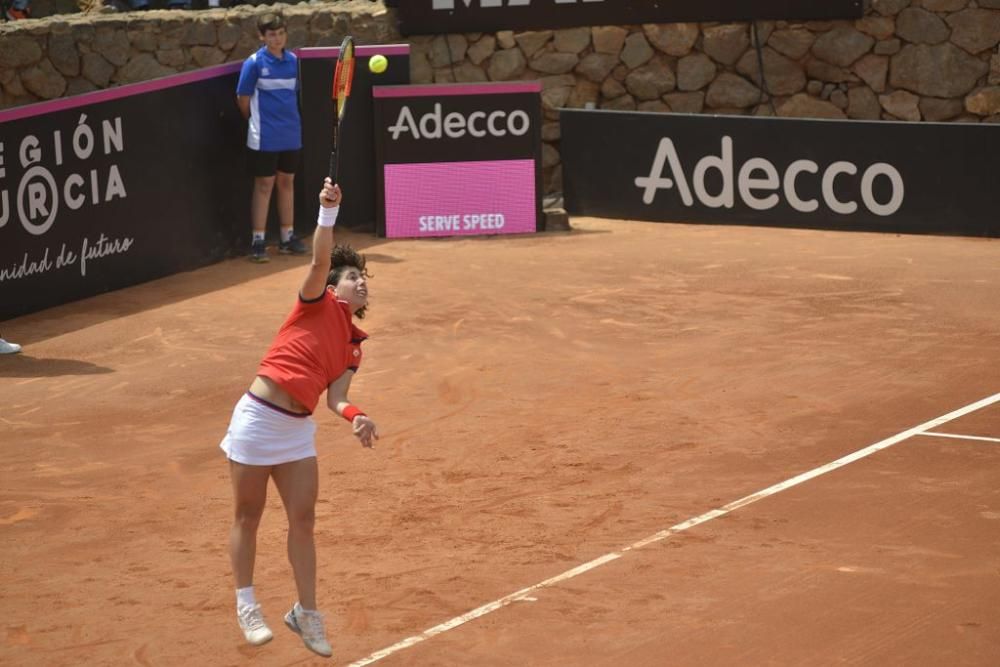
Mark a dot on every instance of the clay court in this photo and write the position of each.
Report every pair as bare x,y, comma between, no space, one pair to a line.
546,402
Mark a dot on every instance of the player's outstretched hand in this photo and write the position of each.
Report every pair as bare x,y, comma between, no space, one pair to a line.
330,195
365,430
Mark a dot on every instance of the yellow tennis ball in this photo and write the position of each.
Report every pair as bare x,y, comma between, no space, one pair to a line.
377,64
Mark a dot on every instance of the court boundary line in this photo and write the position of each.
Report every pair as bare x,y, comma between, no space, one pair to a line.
500,603
938,434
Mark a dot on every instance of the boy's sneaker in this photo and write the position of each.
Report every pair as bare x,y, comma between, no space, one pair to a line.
309,625
9,348
252,623
258,251
293,246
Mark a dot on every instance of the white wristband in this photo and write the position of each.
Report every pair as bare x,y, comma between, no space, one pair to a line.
327,216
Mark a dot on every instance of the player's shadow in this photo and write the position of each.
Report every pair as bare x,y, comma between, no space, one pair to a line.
25,366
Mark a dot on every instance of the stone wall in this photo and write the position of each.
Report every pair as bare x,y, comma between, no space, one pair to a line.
912,60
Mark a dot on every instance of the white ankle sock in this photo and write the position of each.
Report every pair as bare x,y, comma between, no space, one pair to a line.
258,236
286,234
245,597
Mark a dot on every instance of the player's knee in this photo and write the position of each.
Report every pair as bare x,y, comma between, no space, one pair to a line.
248,515
302,519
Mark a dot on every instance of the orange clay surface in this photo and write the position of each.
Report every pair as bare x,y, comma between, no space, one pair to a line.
543,401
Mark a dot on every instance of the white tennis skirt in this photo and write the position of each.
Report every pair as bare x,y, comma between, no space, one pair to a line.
261,434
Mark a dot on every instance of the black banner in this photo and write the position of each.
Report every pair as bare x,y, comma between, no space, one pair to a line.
355,143
118,187
452,16
459,159
845,175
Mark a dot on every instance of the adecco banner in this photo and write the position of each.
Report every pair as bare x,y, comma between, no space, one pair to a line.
117,187
883,176
457,159
447,16
356,140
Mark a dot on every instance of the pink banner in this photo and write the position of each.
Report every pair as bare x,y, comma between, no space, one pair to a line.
460,198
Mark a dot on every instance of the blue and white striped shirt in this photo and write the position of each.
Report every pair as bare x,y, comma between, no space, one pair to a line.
272,85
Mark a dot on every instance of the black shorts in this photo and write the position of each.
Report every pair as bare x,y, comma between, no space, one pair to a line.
266,163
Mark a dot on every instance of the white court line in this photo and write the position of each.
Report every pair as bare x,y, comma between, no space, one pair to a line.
938,434
663,534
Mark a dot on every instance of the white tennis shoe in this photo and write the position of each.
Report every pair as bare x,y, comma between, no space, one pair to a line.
252,623
309,625
9,348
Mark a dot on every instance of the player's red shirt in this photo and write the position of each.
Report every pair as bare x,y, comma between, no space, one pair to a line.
315,345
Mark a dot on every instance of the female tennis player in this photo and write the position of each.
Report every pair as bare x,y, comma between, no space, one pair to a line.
271,434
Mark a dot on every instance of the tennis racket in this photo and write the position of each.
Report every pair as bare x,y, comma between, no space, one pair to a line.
343,75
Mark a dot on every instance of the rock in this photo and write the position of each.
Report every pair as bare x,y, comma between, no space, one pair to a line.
506,65
63,54
804,106
79,86
229,35
113,45
18,51
612,88
889,7
201,32
879,27
652,106
636,51
782,75
975,30
623,103
887,47
43,80
584,93
824,71
142,68
482,49
505,39
862,104
420,67
551,62
726,43
609,39
555,98
842,46
793,43
597,66
97,70
983,102
572,40
994,77
935,109
814,88
730,90
206,56
531,42
447,49
551,131
695,71
902,105
944,5
651,81
941,70
674,39
873,70
550,156
921,26
685,102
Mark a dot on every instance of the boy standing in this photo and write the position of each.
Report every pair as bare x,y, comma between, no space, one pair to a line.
267,94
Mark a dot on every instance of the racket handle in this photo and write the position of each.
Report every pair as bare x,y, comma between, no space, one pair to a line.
332,171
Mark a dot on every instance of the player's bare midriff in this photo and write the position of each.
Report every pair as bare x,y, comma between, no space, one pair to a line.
268,390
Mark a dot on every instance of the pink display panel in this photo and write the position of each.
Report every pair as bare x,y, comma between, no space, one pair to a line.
460,198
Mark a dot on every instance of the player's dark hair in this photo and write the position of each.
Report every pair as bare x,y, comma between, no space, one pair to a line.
342,258
270,21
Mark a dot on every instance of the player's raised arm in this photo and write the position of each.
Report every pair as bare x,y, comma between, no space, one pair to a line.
329,206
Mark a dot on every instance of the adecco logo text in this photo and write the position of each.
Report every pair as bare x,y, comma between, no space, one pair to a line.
435,124
759,183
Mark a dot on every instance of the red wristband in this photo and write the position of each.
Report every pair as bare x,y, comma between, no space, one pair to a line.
350,412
